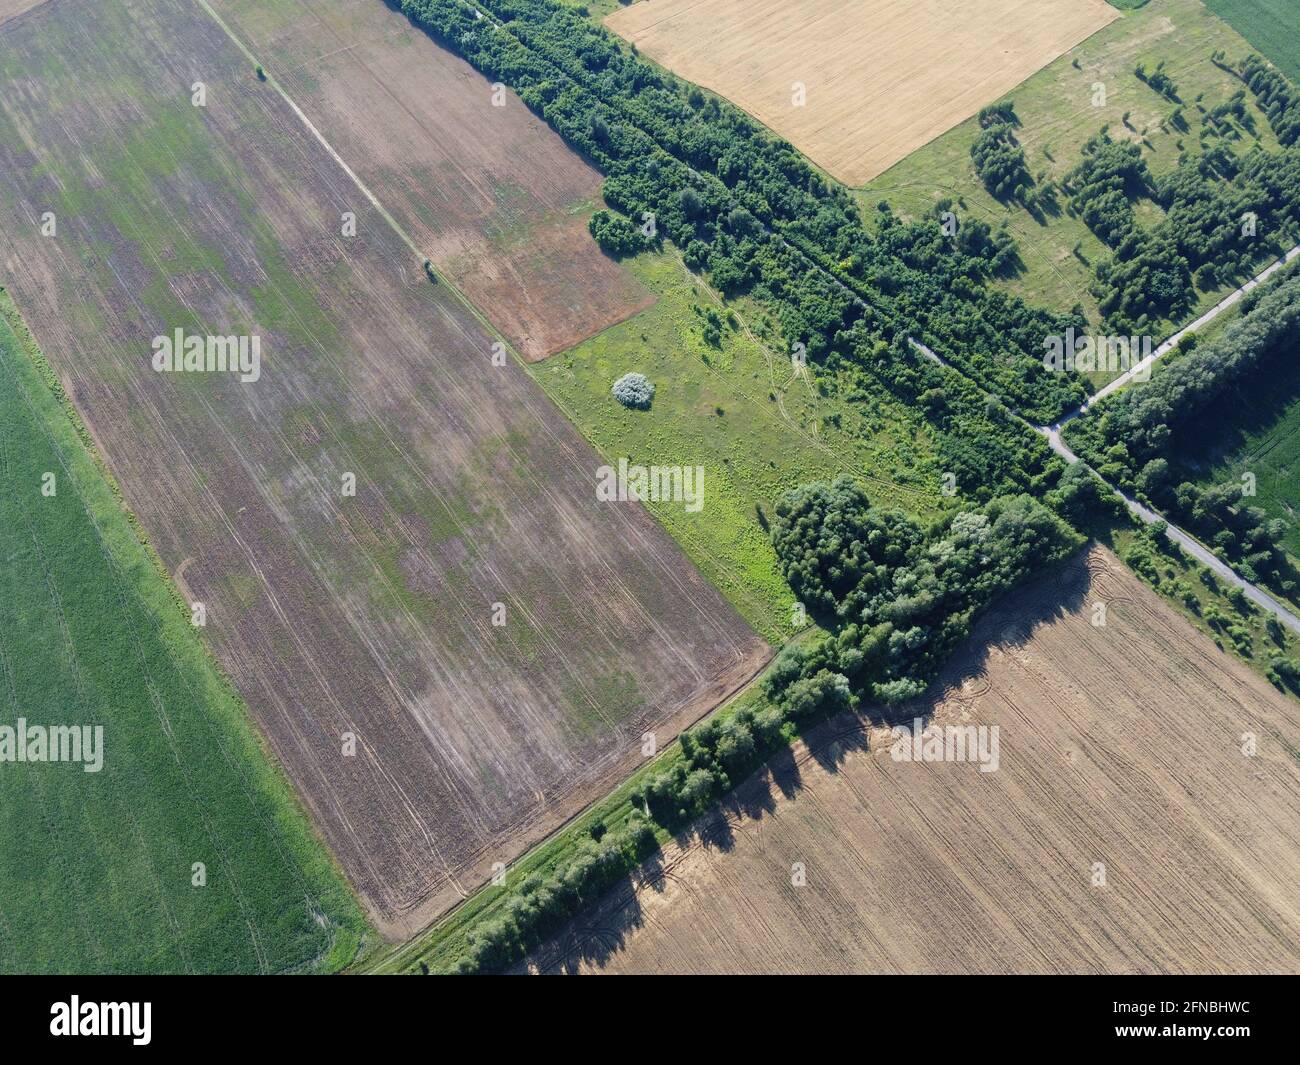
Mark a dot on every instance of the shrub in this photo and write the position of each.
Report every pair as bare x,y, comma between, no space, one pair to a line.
634,391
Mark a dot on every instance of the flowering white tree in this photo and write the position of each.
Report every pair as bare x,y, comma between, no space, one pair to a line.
634,390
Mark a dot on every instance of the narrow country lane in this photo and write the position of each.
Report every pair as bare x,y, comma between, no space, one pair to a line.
1145,514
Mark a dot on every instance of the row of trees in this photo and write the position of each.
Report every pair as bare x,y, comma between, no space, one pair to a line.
1133,437
541,904
1127,430
897,599
1281,102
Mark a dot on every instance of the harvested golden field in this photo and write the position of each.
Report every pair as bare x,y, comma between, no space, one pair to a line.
483,186
1120,754
880,77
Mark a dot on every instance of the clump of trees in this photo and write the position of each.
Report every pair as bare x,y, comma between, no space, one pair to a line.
617,236
1159,80
980,242
1102,188
898,597
1222,211
1220,516
998,156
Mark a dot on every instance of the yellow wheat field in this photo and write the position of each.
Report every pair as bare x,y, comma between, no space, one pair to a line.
880,77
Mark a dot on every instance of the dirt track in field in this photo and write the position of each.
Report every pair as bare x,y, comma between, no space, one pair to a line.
1118,745
492,195
13,8
363,619
882,77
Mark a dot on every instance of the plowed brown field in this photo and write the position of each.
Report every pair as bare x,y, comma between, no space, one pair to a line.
491,194
427,741
881,77
1119,745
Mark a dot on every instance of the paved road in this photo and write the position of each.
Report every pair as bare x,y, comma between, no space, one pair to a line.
1143,368
1184,539
1189,543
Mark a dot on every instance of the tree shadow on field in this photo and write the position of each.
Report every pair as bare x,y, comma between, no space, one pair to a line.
596,936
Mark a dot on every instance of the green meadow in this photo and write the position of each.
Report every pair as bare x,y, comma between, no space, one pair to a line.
727,398
1060,108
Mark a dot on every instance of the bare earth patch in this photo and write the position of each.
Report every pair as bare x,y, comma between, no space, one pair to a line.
882,77
1119,745
427,742
492,195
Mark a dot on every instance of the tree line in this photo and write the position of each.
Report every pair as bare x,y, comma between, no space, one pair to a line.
745,207
1133,437
896,597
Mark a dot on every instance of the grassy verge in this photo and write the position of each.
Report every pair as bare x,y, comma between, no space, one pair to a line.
187,851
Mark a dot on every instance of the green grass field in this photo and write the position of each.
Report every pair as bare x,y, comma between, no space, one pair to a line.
97,870
1058,111
1271,26
738,410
